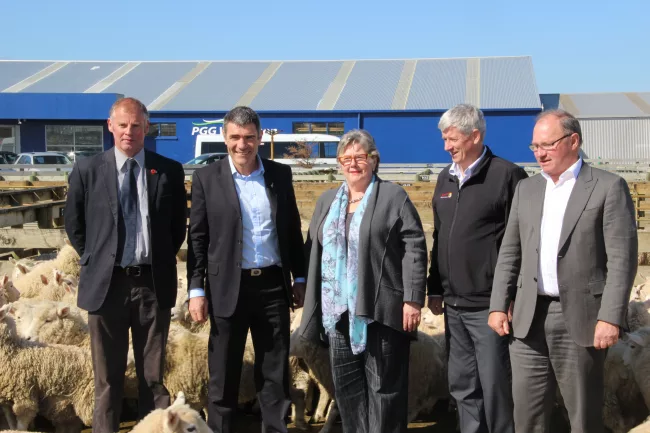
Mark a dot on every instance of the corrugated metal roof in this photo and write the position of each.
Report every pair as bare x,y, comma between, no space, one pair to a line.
434,84
586,105
297,86
75,77
508,82
150,79
437,84
371,85
218,88
14,72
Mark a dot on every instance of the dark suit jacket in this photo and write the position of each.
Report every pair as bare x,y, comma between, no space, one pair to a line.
596,258
215,243
392,260
91,221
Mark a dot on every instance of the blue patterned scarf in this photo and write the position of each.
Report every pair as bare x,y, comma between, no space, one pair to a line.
339,268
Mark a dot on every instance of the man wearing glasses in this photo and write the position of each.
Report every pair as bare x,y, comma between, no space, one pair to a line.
471,203
569,257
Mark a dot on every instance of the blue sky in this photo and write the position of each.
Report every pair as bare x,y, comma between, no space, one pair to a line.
576,45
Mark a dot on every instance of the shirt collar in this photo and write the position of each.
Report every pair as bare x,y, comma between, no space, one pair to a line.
455,168
570,173
258,172
120,158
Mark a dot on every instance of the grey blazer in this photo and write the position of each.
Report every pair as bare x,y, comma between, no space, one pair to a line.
392,260
596,259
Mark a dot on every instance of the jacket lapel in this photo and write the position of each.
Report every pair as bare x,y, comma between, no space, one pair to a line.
152,175
537,207
228,183
577,201
109,176
271,191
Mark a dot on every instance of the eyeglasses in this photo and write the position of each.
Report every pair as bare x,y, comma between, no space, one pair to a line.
359,159
548,146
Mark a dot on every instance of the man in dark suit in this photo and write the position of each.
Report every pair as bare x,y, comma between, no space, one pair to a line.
126,214
568,260
244,244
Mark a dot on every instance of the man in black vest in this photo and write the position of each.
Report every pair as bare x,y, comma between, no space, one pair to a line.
244,245
471,204
125,215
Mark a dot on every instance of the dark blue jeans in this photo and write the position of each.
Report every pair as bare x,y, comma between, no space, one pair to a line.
371,388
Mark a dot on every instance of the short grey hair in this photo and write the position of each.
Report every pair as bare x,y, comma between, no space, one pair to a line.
570,123
363,139
464,117
242,116
131,103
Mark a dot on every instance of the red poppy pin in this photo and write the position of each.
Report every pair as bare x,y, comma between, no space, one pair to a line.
154,171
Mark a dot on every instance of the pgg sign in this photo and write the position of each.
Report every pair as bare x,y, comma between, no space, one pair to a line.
207,127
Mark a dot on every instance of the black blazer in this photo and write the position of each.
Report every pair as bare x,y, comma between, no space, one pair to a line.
214,245
91,216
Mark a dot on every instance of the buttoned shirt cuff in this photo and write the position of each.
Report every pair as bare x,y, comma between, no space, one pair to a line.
299,280
196,292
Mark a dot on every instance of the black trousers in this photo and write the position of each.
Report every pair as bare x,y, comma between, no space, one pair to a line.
479,372
130,304
262,307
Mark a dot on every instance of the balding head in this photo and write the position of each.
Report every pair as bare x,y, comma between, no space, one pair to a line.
129,123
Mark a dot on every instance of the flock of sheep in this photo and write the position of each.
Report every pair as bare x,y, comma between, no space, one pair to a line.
47,367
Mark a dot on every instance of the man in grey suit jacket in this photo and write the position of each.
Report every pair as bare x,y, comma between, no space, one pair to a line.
568,261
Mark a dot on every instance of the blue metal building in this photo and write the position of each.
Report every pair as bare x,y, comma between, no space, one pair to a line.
62,106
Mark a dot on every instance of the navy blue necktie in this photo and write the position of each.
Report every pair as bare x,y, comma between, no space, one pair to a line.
129,204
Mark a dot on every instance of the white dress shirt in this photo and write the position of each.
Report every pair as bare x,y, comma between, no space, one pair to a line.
556,199
142,242
455,170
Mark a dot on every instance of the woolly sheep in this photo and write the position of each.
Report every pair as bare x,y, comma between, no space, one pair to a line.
186,367
21,267
8,292
642,291
52,377
623,406
67,260
35,285
638,314
177,418
642,428
637,359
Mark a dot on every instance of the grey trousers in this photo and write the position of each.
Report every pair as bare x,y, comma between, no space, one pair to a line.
547,358
131,303
371,388
479,372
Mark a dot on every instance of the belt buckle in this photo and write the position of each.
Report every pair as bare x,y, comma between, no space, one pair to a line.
256,272
133,271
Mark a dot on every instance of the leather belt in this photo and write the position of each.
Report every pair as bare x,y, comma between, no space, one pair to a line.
134,271
549,298
262,272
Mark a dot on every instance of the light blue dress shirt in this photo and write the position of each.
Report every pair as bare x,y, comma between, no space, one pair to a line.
260,238
143,242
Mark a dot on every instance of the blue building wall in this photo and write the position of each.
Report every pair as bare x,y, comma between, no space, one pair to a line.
32,133
402,137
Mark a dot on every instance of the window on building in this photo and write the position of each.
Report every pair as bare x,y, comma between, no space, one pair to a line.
7,139
162,130
74,140
331,128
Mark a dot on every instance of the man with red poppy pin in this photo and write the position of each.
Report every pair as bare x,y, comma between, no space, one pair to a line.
126,215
